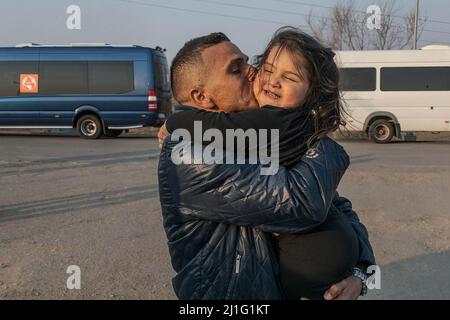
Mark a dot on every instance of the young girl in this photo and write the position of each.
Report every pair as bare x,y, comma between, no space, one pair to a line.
297,74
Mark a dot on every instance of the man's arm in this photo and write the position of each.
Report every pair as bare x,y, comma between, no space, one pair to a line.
289,201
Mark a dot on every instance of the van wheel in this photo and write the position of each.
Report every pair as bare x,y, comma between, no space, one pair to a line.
381,131
89,127
113,133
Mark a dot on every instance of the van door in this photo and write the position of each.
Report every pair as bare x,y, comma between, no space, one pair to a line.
19,85
162,85
64,83
116,93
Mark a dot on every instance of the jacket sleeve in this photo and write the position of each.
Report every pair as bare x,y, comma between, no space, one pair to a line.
295,126
289,201
366,256
266,117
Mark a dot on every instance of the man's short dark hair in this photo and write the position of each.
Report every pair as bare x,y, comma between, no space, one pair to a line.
188,63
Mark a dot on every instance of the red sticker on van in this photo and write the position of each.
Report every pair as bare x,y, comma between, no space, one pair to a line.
29,83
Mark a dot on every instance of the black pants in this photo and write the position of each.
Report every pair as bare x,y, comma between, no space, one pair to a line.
310,263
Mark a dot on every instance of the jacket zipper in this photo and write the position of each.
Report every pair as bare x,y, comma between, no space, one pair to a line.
234,276
238,263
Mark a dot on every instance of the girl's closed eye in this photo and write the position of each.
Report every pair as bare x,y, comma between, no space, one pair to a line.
291,78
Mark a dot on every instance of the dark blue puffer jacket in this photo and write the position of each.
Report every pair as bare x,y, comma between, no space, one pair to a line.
219,219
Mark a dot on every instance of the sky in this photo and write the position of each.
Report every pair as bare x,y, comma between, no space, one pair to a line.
170,23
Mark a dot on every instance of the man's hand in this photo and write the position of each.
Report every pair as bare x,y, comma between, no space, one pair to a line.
348,289
162,133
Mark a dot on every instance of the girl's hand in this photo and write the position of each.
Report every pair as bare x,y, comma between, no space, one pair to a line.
162,133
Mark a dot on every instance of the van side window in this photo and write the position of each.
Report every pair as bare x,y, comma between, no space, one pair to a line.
111,77
63,77
358,79
415,79
10,75
86,77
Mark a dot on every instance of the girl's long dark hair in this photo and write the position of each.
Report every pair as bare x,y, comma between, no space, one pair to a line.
323,105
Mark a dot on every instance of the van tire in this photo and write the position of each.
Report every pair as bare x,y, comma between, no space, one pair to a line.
381,131
89,127
113,133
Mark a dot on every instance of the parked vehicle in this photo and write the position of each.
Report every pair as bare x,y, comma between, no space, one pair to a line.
394,91
98,89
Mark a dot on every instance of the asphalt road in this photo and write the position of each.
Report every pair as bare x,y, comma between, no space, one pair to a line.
67,201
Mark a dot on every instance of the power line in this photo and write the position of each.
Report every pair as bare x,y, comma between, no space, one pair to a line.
360,11
434,42
435,31
248,18
206,12
241,17
294,13
290,12
306,4
435,21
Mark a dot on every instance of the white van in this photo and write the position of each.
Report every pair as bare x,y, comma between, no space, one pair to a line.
394,91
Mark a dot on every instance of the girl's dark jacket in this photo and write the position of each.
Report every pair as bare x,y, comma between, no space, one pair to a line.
219,218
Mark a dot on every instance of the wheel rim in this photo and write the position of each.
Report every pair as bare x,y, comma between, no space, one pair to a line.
89,128
382,132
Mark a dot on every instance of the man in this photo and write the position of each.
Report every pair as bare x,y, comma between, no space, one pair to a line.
218,218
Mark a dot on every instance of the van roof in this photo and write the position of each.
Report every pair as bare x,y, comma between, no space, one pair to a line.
436,47
83,49
83,44
394,56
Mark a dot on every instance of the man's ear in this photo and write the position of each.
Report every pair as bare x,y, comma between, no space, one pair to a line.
201,99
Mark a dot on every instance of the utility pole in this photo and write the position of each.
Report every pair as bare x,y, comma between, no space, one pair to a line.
416,22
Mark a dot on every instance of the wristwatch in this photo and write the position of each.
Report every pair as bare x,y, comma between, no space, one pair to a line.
360,274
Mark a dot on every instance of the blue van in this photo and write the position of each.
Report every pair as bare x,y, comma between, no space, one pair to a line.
101,90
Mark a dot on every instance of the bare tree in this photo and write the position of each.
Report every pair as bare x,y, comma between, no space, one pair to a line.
318,27
345,28
409,25
361,34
